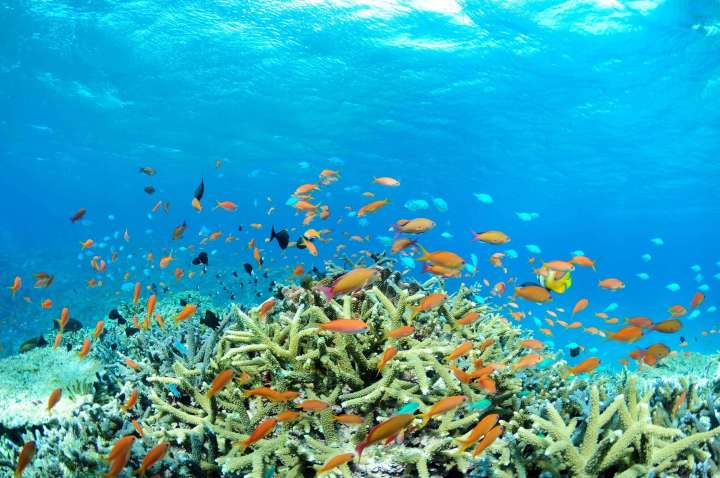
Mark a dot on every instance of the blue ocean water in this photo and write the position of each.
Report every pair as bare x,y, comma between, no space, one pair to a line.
599,121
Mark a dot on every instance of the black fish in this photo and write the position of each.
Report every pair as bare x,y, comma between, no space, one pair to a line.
33,343
183,302
210,319
240,228
201,258
300,243
574,352
235,274
232,296
73,325
200,190
282,237
130,331
248,268
149,189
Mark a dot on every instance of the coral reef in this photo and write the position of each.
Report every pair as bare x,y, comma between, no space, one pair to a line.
654,423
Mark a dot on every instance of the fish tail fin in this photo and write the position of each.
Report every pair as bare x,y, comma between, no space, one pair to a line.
217,205
425,253
359,449
426,420
273,234
594,266
464,444
328,292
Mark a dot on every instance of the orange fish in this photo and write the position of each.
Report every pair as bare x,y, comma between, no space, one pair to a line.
88,243
99,328
131,401
580,306
221,379
583,261
386,181
628,334
132,364
156,454
226,206
677,311
150,308
165,261
46,304
160,321
258,258
469,318
195,203
313,405
533,293
446,259
533,344
387,355
418,225
349,419
126,236
479,430
16,286
678,402
642,322
668,326
272,395
187,312
529,360
345,326
402,331
586,366
441,406
121,448
263,429
288,416
372,207
401,244
547,332
27,453
697,299
429,302
64,317
54,398
612,284
460,350
178,273
266,308
299,270
491,237
85,348
351,281
335,461
178,232
138,428
489,438
58,339
383,430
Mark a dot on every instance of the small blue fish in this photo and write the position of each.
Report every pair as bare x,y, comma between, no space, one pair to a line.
181,347
446,235
479,405
270,472
410,407
440,204
523,393
704,288
173,389
291,201
646,257
593,350
537,321
711,309
527,216
384,240
408,262
695,268
511,253
484,198
694,314
416,204
578,252
643,275
533,248
673,287
657,241
611,307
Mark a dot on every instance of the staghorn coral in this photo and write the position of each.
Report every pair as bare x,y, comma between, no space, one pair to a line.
290,352
622,438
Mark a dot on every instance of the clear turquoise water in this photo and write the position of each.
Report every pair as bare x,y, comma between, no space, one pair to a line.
601,116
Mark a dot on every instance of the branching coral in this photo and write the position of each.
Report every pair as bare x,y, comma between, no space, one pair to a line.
622,437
